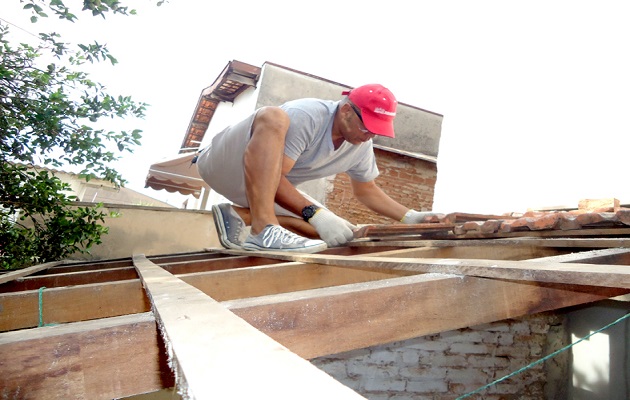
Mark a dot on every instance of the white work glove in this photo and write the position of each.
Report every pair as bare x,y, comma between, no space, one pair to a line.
418,217
333,230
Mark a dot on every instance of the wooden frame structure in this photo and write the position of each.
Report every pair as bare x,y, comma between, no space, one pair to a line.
221,323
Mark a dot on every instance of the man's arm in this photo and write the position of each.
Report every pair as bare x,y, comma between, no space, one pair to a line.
287,195
378,201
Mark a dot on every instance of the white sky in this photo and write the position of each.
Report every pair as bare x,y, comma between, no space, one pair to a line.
535,95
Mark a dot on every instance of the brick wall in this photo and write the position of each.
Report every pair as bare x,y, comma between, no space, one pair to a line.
408,180
450,364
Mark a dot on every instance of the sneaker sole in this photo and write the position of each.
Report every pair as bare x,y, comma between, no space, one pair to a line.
219,223
312,249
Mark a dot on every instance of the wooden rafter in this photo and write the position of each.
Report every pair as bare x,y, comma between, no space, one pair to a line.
211,349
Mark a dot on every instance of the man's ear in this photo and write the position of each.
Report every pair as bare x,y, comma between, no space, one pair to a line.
346,110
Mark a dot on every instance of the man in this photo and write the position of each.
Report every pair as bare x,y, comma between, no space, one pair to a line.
257,163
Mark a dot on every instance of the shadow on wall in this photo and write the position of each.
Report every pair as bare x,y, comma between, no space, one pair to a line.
600,365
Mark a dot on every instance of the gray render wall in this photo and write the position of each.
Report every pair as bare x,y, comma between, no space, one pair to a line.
450,364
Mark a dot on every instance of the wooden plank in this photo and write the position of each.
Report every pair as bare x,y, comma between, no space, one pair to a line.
20,310
213,352
592,232
375,231
593,243
477,252
327,321
70,279
615,276
86,276
104,359
10,276
71,304
280,278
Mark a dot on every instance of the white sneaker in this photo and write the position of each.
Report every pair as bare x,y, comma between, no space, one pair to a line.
276,238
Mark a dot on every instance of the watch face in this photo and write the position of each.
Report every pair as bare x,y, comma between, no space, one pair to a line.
308,212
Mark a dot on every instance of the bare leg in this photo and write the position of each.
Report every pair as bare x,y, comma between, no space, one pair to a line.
263,165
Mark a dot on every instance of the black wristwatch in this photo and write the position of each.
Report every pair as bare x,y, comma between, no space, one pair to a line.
308,212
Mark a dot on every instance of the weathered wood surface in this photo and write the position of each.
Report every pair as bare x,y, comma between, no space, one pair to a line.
20,310
83,277
592,243
614,276
103,359
311,323
77,303
10,276
331,320
216,354
376,231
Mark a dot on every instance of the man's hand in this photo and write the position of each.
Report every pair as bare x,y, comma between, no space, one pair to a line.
333,230
417,217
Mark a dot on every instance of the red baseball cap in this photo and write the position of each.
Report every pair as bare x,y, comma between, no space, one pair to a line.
378,107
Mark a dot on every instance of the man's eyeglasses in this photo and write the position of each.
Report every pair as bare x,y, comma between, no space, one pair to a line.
358,113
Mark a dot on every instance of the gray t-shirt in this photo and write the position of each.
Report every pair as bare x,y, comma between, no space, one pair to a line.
309,144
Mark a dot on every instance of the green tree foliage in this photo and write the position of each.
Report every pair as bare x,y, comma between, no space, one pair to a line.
50,114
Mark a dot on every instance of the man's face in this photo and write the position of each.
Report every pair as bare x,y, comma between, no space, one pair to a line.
357,132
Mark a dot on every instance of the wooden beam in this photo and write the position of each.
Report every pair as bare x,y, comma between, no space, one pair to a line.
477,252
592,243
213,352
103,359
321,322
70,279
10,276
86,276
20,310
614,276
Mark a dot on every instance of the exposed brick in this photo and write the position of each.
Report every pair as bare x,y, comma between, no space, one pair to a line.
385,385
430,345
383,355
488,361
424,372
430,386
407,180
469,376
421,369
440,360
468,348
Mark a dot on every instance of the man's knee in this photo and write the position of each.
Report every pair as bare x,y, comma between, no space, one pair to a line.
271,120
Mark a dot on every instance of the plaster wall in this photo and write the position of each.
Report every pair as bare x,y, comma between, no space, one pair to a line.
152,231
